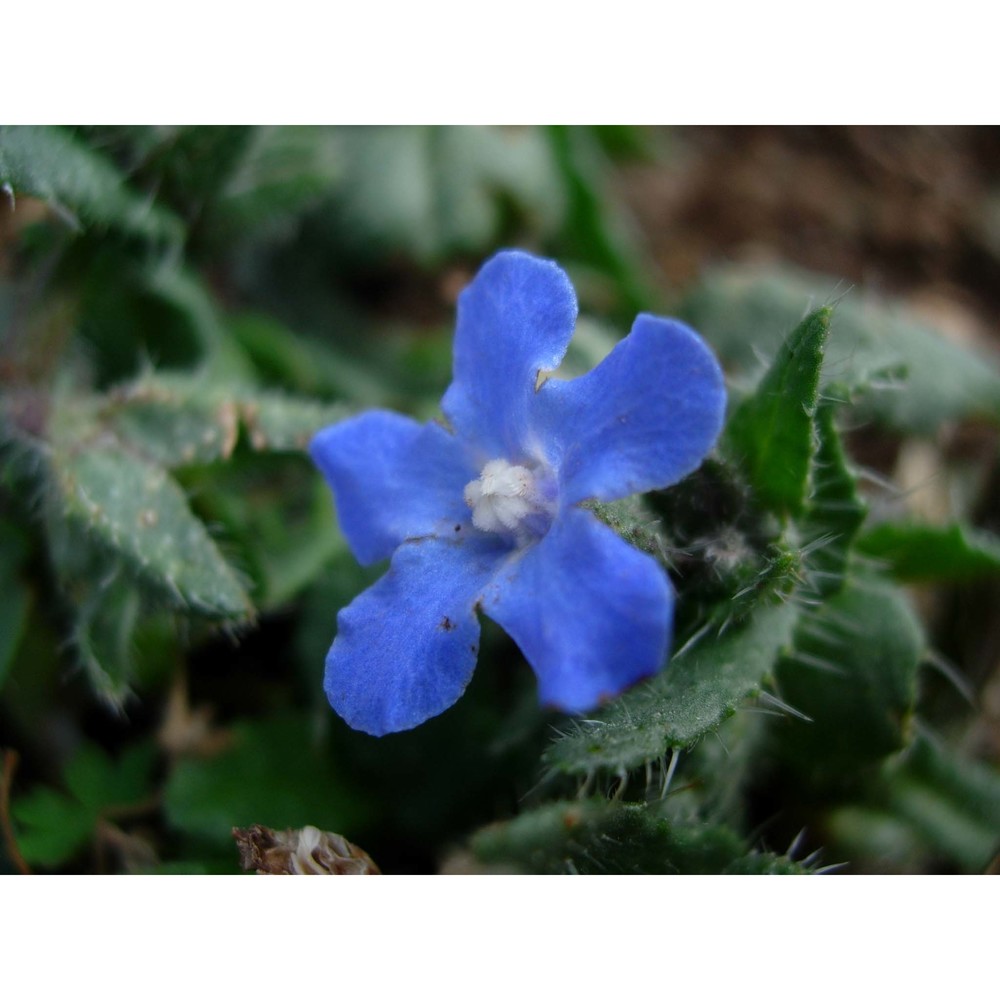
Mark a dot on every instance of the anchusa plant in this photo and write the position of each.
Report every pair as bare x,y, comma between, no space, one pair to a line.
485,515
715,597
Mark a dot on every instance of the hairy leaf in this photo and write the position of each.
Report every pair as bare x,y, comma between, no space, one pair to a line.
834,512
430,191
771,432
51,164
744,312
286,169
951,802
181,420
134,510
283,423
107,613
853,673
592,837
700,688
173,420
195,161
922,552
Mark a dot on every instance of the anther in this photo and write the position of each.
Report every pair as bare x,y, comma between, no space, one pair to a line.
503,496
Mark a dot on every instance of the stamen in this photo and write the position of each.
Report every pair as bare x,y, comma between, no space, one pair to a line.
503,496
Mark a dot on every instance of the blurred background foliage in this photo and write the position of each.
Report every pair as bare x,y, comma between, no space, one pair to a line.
182,307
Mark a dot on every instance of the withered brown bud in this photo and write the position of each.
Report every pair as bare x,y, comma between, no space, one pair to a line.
300,852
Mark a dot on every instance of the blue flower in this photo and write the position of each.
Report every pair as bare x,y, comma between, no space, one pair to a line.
486,516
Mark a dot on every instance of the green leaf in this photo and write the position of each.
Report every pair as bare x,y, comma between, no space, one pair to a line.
744,312
107,614
765,864
918,553
771,432
853,672
593,837
173,420
936,811
53,827
195,162
120,630
278,518
284,423
102,783
597,227
286,169
187,294
182,420
273,774
307,366
432,191
633,521
940,819
876,841
729,554
698,690
951,802
135,511
834,512
138,309
54,165
276,511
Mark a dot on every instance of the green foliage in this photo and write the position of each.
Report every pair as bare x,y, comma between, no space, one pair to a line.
602,232
285,169
933,809
853,674
184,307
192,164
431,191
166,421
834,511
277,519
771,432
592,837
272,773
916,552
765,864
702,686
123,538
633,521
136,510
53,827
184,420
745,312
80,185
950,802
108,607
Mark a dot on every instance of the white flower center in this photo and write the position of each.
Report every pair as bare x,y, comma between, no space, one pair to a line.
503,496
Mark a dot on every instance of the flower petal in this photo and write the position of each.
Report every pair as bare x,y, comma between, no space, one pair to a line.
393,479
591,614
406,647
514,320
644,418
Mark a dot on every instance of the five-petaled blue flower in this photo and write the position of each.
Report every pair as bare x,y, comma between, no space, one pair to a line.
487,516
